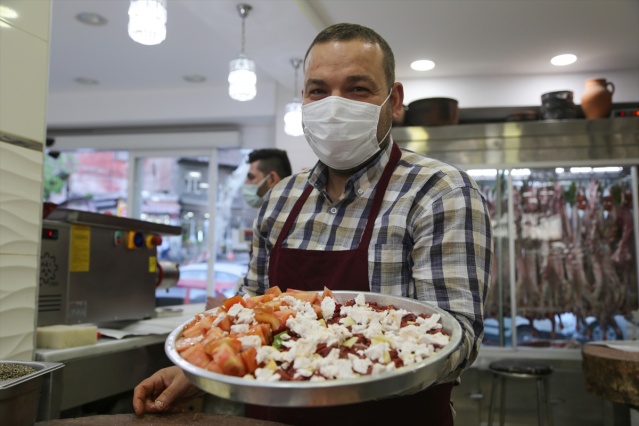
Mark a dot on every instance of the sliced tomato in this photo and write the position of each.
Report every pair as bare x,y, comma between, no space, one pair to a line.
284,314
199,327
235,344
184,343
252,302
275,290
225,324
258,330
212,366
306,296
229,361
196,355
318,309
214,333
268,333
249,358
232,301
268,297
268,318
327,293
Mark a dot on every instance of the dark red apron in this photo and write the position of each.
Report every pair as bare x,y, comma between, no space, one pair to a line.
347,270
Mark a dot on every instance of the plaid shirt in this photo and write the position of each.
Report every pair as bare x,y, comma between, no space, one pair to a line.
432,239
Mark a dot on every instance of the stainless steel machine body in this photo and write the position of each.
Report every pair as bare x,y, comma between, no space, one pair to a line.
98,269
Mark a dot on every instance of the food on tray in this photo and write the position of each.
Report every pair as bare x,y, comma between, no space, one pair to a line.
303,335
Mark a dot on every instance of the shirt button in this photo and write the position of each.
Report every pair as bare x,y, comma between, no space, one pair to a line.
333,210
360,191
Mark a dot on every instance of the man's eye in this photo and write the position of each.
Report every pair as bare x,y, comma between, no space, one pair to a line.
360,89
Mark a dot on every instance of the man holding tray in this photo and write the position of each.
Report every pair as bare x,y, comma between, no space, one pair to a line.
367,217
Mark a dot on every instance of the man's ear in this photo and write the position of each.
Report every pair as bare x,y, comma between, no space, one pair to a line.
273,179
397,99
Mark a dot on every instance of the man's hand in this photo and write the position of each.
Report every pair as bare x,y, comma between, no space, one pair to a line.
163,391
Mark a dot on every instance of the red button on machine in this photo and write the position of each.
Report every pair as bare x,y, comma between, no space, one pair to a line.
153,241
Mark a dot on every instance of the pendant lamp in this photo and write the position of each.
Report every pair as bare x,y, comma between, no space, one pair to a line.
242,77
293,115
147,21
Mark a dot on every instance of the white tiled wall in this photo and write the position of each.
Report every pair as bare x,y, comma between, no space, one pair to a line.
24,57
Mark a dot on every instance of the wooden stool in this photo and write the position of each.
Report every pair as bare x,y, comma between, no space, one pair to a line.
520,369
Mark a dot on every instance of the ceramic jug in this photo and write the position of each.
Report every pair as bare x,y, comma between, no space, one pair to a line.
596,100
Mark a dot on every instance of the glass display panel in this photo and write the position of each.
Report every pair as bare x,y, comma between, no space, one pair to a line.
575,260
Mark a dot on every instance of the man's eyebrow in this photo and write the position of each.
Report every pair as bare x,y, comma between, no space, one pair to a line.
360,78
315,81
350,79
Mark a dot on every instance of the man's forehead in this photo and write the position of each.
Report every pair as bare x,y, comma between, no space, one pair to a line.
366,47
254,168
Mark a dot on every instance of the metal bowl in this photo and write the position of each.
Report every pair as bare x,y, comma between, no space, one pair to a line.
330,392
20,396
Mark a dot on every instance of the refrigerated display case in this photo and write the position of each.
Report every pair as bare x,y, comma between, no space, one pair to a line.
562,195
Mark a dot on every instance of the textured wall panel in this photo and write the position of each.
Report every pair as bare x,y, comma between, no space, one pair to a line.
20,199
24,70
18,292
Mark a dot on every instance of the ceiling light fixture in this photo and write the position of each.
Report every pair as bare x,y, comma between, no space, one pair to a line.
147,21
242,79
293,115
86,81
194,78
423,65
91,19
561,60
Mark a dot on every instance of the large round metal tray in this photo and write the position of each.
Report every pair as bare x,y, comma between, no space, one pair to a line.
330,392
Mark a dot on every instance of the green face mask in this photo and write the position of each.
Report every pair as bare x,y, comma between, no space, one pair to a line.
249,192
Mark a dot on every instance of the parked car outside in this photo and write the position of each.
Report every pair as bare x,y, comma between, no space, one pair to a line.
191,287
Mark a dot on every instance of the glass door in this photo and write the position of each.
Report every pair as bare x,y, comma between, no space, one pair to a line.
198,191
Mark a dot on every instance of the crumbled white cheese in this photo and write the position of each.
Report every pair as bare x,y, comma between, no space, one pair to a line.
266,375
328,308
241,314
250,342
218,319
239,328
375,352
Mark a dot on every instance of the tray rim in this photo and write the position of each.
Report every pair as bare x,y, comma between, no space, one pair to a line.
196,374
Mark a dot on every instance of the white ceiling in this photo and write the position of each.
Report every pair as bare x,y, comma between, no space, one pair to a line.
463,37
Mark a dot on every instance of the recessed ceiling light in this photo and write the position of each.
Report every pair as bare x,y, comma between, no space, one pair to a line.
194,78
565,59
87,81
91,18
423,65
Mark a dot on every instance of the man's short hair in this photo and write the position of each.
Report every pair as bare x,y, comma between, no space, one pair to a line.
348,32
271,160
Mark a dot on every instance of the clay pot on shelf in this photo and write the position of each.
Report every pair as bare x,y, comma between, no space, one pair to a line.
558,105
596,100
433,112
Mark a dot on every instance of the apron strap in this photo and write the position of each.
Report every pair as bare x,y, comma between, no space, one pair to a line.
293,214
396,154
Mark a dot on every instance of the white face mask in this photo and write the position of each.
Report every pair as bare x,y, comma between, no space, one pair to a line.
342,132
249,192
